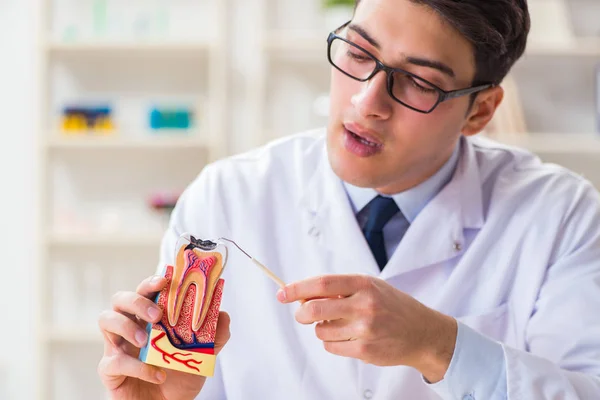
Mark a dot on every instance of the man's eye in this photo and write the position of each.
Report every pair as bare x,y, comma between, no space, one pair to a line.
420,87
357,56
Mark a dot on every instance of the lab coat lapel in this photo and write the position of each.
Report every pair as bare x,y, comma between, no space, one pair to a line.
331,221
437,234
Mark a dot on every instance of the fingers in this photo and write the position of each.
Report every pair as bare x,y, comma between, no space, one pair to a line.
223,333
340,330
325,286
345,338
115,369
136,304
324,309
357,349
151,286
115,326
131,312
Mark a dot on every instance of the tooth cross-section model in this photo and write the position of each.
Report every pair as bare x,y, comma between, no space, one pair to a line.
184,338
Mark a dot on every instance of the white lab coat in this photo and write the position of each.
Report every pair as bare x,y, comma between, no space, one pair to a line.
510,248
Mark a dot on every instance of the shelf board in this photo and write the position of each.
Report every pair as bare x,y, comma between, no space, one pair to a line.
585,47
104,240
66,335
555,143
142,47
305,42
116,141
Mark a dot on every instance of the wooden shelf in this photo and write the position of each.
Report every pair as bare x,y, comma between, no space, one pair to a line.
104,240
160,141
185,48
585,47
556,143
295,41
73,335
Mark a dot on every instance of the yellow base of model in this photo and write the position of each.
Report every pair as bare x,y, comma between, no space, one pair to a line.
161,353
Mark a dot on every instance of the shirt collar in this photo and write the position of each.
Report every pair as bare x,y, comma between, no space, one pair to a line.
411,201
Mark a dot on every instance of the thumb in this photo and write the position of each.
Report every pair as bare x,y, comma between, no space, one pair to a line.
223,334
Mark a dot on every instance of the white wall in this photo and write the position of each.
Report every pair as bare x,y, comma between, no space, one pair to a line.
18,111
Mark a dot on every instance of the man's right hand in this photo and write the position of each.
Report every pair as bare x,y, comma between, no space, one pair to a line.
124,331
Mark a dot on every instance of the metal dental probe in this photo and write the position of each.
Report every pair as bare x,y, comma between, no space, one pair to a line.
266,270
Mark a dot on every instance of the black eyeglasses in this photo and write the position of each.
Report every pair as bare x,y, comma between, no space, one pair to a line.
405,87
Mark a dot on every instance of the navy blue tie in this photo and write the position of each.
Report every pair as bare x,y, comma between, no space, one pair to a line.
381,210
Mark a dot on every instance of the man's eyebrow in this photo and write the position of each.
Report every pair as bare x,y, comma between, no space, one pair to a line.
423,62
440,66
358,29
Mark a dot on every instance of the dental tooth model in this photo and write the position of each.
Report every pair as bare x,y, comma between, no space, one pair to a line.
184,338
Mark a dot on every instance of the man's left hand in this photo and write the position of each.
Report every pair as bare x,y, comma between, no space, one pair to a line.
363,317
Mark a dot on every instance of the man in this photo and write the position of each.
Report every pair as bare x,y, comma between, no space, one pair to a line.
436,265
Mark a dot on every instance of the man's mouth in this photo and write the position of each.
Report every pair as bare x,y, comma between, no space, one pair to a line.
363,140
362,135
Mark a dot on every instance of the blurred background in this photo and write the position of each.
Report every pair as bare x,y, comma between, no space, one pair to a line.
110,108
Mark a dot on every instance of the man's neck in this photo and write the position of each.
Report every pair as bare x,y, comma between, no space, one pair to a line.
412,182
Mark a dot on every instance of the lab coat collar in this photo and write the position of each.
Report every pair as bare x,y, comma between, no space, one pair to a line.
468,179
331,222
435,235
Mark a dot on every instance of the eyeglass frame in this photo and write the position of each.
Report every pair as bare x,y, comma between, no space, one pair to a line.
443,95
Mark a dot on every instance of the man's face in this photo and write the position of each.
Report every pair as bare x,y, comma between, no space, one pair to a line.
411,146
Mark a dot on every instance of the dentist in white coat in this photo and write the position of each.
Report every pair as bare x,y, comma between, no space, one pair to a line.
436,265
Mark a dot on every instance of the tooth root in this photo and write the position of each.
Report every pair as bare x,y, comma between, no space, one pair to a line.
182,295
202,270
174,288
201,308
214,271
199,280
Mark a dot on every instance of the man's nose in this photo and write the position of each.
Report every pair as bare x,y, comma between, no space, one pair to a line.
373,101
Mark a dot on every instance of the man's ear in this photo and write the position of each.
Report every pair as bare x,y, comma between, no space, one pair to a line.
483,110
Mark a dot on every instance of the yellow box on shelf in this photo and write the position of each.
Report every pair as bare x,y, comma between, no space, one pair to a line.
82,120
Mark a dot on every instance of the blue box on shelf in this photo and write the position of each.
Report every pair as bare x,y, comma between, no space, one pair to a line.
171,118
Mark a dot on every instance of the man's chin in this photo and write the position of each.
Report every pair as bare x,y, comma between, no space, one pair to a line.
346,166
349,173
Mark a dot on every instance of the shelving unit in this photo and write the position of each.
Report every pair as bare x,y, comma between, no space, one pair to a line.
97,232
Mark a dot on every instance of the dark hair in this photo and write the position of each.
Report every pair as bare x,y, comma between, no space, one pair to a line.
497,29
